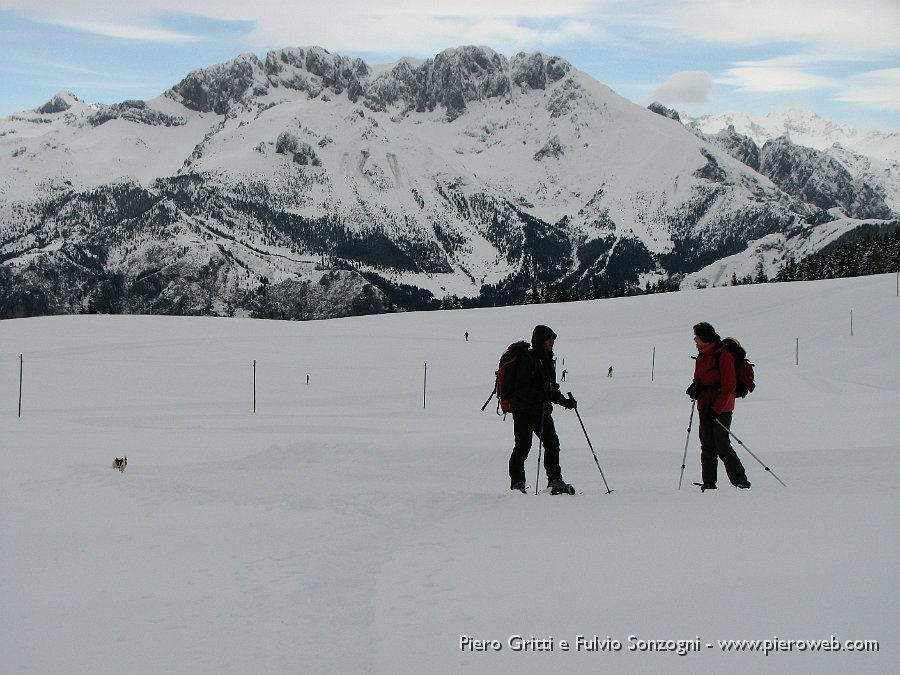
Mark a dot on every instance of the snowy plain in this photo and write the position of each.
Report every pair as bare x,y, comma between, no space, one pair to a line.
359,521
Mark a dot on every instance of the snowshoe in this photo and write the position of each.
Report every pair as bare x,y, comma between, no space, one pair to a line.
708,486
743,486
520,487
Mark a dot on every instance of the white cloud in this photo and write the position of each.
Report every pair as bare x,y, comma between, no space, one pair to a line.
879,89
846,29
861,28
687,87
426,29
355,25
789,74
124,31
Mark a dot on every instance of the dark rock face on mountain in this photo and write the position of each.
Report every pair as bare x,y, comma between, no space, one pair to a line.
819,179
133,111
453,79
741,147
57,104
217,88
660,109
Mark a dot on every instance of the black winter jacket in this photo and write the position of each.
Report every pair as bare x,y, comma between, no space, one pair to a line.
535,382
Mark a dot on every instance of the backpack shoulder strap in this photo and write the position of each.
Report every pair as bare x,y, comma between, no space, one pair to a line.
718,354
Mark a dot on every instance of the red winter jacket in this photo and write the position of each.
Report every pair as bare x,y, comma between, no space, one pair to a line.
717,384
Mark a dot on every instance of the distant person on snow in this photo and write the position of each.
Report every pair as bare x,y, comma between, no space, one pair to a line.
713,390
531,404
609,372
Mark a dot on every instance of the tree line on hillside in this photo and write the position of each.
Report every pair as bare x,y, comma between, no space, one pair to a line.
878,254
871,254
559,292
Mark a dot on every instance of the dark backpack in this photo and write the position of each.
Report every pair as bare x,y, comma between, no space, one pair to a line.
505,377
743,369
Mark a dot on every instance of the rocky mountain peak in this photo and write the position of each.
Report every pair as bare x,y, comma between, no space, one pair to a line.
217,88
314,70
451,80
660,109
60,102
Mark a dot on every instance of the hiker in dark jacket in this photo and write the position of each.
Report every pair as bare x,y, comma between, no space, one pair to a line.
534,393
713,390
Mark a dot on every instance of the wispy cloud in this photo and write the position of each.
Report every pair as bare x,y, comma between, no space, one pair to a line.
124,31
861,28
378,27
357,25
784,74
879,89
35,66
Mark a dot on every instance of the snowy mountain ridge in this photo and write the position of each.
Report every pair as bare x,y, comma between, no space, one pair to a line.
803,127
872,157
262,186
864,167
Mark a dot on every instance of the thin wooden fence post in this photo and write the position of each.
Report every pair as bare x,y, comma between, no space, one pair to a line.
20,384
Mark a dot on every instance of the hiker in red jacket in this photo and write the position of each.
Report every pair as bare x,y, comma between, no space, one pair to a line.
713,390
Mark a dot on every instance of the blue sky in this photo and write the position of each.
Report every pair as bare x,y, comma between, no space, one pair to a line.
838,58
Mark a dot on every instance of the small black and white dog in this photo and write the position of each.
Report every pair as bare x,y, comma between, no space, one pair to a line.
120,464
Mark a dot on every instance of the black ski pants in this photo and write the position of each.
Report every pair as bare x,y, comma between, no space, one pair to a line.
715,444
526,425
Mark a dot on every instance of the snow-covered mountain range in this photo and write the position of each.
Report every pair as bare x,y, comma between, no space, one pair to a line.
849,174
307,185
803,127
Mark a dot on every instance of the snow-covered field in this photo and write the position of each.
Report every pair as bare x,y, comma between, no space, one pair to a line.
353,525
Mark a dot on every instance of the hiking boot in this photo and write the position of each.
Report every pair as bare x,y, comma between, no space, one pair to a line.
560,487
743,486
520,487
706,486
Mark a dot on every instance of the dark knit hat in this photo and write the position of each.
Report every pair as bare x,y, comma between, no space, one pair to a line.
706,332
539,336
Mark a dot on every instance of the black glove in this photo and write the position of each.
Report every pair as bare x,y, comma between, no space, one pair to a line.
570,403
694,390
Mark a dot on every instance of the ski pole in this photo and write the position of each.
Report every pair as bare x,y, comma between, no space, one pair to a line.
537,476
750,451
489,399
686,441
591,447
